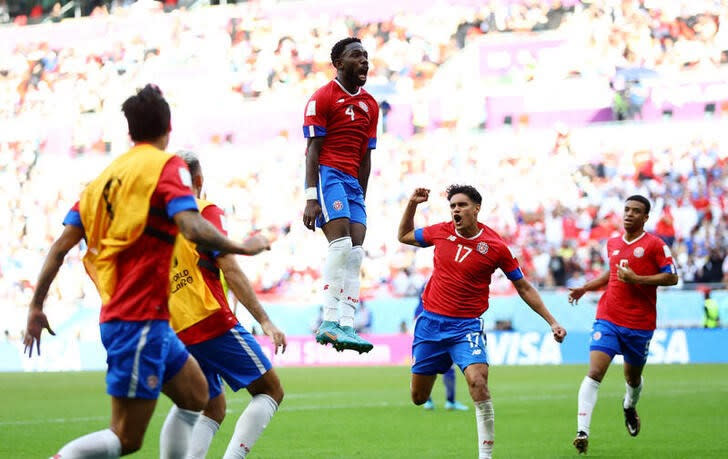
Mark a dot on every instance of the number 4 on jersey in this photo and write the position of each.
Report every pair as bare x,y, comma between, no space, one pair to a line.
350,111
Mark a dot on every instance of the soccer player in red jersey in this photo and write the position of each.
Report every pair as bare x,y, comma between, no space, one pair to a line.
129,217
450,330
340,125
638,263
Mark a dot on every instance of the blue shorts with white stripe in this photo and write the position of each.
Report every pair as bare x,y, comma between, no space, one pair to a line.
235,356
141,357
340,196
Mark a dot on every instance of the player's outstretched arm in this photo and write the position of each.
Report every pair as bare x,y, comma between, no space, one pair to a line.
595,284
240,285
406,233
37,319
365,169
533,300
313,209
198,230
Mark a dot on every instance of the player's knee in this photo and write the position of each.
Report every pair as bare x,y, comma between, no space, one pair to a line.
596,374
478,387
130,442
419,397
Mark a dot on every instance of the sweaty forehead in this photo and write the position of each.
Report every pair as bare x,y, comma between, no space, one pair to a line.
635,205
459,197
351,47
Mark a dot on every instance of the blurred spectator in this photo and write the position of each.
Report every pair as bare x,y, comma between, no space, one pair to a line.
363,318
710,308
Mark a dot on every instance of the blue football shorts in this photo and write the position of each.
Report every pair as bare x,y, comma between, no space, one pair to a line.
440,341
612,339
235,356
340,196
141,357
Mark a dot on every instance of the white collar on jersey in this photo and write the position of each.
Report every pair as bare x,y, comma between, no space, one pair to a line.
344,89
469,238
634,240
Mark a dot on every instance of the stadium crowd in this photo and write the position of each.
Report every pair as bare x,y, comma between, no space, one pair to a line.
558,231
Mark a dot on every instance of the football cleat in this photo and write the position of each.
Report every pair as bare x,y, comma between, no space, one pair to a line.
632,421
456,406
428,405
581,442
350,340
329,333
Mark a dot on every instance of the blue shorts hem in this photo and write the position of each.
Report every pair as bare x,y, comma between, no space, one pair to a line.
610,352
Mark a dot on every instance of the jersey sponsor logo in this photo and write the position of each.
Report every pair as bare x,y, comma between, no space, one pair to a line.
340,100
597,336
451,238
364,106
615,252
477,352
311,108
639,252
185,177
482,248
337,205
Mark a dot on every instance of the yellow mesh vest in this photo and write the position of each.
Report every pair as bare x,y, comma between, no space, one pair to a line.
114,210
190,300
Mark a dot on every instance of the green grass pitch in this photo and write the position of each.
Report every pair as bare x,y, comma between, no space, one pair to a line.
366,413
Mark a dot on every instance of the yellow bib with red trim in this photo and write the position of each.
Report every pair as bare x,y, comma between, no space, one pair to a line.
190,301
114,209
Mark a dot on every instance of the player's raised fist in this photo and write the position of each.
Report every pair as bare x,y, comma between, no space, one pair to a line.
559,332
420,195
256,244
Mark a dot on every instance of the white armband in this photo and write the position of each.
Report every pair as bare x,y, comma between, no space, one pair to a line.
311,193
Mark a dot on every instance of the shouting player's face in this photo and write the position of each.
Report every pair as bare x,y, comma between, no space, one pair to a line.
464,213
354,64
635,216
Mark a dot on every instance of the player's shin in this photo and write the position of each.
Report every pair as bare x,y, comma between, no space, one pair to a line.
103,444
350,295
485,420
333,276
202,434
588,392
250,425
176,432
632,396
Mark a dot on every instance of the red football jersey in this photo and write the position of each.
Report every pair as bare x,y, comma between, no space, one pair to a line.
347,121
460,282
142,288
223,319
634,305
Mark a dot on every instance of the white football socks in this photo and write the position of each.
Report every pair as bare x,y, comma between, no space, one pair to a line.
485,420
633,394
587,399
103,444
202,434
176,432
250,425
352,279
333,276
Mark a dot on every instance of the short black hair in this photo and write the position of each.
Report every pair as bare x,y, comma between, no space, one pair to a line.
339,47
467,190
642,199
147,114
193,162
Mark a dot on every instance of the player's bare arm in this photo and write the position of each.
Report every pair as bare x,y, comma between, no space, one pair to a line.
533,300
37,319
364,170
313,209
198,230
406,233
256,244
595,284
625,274
243,290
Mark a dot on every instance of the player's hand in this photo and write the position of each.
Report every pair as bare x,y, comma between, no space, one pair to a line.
311,213
559,332
278,337
625,274
256,244
575,294
420,195
37,321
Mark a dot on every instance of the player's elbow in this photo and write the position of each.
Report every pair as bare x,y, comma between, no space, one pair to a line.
672,280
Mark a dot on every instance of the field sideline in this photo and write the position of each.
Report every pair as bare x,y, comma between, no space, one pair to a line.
366,413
